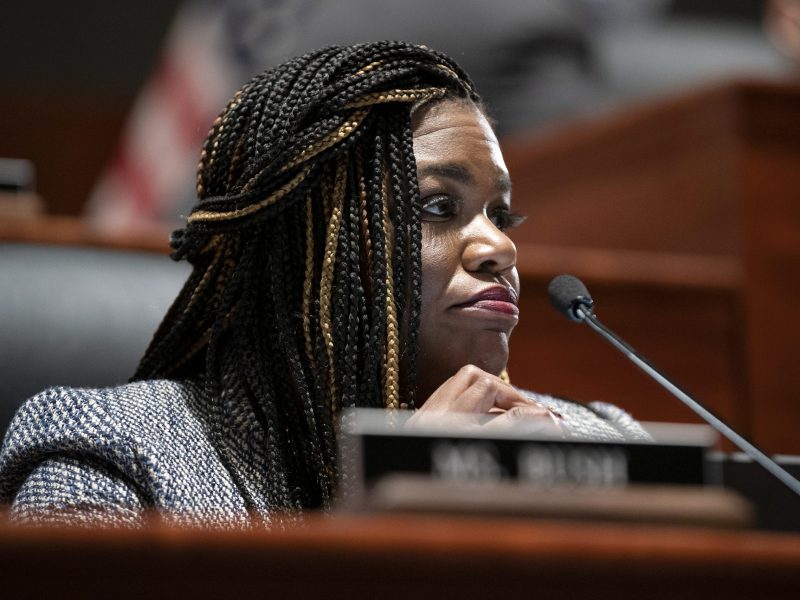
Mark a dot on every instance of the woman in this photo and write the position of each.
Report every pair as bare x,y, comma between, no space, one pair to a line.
349,249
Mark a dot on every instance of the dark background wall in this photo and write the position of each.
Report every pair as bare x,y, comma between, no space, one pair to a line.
69,72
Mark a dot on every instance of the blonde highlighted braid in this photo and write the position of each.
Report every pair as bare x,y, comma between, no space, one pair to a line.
305,241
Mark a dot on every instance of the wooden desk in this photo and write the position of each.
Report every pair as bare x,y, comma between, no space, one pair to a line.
76,231
404,557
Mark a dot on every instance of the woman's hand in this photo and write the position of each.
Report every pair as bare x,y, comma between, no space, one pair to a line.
468,396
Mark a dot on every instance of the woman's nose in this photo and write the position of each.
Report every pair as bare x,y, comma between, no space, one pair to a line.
487,248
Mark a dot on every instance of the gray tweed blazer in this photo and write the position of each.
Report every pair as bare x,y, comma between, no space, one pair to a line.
111,456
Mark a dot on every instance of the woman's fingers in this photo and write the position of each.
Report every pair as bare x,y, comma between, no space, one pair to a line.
530,419
469,395
473,390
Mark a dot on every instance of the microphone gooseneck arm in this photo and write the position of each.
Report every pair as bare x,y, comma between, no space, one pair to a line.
580,308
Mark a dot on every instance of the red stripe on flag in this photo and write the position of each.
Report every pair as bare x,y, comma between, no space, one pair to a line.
178,99
134,178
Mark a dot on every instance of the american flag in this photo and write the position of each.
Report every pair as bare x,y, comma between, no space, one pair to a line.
212,48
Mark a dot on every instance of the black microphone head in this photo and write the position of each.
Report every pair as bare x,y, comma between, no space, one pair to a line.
567,294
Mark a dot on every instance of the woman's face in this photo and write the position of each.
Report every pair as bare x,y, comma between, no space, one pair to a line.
470,283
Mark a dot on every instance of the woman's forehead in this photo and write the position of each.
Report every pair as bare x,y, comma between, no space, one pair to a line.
455,132
449,113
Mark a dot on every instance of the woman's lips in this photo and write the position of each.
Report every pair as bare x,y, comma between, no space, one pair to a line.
495,305
496,299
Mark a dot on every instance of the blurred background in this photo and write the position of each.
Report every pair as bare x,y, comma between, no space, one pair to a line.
110,101
647,140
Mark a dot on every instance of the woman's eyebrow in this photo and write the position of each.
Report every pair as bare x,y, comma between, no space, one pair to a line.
461,174
452,171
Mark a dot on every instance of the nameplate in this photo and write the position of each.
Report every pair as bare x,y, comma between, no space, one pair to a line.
376,444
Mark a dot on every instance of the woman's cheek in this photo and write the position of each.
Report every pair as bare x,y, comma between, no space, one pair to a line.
436,256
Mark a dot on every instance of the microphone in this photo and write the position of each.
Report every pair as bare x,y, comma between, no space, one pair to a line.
570,297
567,295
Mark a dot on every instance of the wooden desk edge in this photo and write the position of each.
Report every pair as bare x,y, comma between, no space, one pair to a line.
75,231
451,536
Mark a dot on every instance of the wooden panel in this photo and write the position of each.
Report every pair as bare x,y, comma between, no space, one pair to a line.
70,139
690,330
770,179
656,177
701,195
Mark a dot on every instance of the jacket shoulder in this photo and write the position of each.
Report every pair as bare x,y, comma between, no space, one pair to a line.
151,432
62,418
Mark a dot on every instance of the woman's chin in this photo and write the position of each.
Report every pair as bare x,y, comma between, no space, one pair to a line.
493,363
496,367
493,357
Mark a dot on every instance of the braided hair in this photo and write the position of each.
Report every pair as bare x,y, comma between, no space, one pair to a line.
305,293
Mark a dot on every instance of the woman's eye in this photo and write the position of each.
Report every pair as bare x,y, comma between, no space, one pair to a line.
439,208
504,219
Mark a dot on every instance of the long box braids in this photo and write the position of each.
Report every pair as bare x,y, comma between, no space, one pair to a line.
306,246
